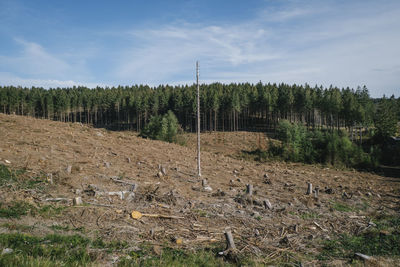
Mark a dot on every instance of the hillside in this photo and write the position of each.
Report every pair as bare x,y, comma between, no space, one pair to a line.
66,160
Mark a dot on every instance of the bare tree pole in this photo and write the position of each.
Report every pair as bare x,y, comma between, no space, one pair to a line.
198,120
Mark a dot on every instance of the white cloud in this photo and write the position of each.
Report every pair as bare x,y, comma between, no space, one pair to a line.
315,44
8,79
35,60
171,50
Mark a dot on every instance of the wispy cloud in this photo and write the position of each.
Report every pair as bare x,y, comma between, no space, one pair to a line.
339,49
171,50
36,64
8,79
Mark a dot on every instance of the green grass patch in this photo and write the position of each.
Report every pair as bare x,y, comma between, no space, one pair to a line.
14,209
17,227
53,250
387,222
342,207
174,257
110,246
17,179
70,250
67,228
200,213
19,208
6,176
309,215
73,250
374,242
48,211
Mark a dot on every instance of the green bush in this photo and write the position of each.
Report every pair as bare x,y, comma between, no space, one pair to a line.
335,148
163,128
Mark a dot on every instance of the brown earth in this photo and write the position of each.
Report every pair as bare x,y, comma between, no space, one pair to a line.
297,222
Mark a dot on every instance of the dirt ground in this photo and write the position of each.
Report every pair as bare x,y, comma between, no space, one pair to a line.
89,162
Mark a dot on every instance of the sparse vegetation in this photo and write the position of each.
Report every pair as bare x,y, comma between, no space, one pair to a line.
14,209
342,207
20,208
66,228
66,250
309,215
6,176
180,257
373,242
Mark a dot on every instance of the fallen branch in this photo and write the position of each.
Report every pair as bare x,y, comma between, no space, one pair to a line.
124,182
101,205
357,217
320,227
137,215
58,199
362,256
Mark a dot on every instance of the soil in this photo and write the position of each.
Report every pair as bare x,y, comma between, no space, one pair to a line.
88,162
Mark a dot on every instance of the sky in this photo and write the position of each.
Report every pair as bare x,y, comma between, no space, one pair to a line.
344,43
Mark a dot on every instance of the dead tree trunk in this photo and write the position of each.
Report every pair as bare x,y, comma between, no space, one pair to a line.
198,121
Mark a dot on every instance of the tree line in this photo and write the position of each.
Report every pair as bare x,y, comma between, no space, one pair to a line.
224,107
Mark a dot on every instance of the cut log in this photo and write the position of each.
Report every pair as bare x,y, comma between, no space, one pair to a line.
121,194
134,185
137,215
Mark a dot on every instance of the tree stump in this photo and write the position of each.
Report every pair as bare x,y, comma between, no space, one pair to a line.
267,204
316,192
249,189
230,244
77,201
69,169
163,170
309,189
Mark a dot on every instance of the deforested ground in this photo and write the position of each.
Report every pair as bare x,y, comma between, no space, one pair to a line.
47,164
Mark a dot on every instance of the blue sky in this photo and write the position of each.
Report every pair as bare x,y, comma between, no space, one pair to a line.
110,43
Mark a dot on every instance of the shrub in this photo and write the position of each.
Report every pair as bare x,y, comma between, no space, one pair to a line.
335,148
163,128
